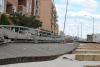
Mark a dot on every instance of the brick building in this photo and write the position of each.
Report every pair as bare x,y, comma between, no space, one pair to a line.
10,6
44,10
54,20
24,6
35,8
47,11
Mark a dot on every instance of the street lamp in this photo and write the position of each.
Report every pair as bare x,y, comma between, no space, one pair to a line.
81,30
93,24
78,31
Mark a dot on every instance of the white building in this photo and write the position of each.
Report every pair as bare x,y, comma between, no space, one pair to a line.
93,38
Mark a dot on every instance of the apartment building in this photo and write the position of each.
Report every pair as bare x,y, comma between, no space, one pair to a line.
35,8
44,10
55,27
24,6
6,6
47,11
11,5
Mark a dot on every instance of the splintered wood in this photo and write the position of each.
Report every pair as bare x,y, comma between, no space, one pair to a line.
88,52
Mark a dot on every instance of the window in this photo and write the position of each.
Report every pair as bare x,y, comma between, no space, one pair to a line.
2,5
22,2
37,4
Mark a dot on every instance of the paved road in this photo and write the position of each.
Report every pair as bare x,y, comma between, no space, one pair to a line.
28,49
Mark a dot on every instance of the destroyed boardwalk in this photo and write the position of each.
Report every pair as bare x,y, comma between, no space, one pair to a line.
29,52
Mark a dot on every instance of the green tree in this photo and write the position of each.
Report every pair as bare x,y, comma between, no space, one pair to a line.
23,20
4,20
34,23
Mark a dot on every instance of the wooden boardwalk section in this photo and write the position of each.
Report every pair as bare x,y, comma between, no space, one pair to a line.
88,52
28,52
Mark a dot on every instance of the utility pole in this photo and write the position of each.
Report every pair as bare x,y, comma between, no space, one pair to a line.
93,25
65,15
93,30
78,31
81,31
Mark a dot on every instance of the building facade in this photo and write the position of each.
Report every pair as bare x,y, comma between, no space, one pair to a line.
94,38
55,27
44,10
24,6
11,5
35,8
47,15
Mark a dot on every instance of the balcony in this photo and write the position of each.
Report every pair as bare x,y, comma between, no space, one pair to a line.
22,8
9,8
22,2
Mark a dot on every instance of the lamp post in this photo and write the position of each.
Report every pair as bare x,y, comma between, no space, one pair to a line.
78,31
81,30
92,23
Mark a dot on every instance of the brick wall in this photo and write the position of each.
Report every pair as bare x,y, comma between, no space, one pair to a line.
46,13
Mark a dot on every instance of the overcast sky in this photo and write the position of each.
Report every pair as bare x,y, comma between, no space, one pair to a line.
79,11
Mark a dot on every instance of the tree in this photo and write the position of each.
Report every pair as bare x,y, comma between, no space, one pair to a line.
4,20
23,20
35,23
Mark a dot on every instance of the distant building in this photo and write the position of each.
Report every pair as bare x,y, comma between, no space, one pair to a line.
69,39
90,38
93,38
11,5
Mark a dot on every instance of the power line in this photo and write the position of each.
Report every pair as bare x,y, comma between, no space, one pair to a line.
65,15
